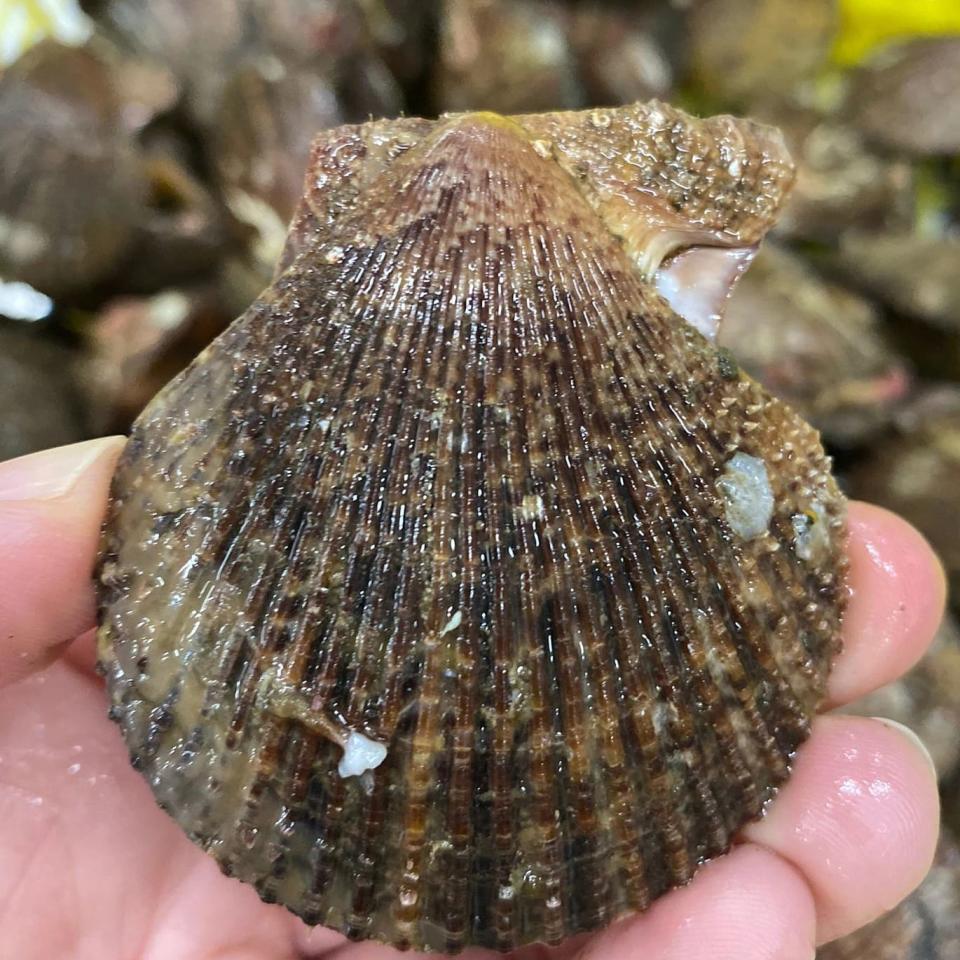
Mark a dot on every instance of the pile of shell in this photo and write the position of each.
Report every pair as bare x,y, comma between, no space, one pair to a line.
147,179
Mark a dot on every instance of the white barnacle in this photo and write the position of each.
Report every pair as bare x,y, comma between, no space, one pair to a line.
360,754
748,498
543,148
452,623
811,536
19,301
600,119
664,715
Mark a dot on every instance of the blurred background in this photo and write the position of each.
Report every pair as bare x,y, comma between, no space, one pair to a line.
152,152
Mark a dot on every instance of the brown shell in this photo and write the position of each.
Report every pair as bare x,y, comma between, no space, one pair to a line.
203,42
72,187
507,55
905,97
454,484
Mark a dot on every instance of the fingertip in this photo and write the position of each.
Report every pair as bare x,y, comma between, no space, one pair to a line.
59,472
747,905
897,597
51,509
859,819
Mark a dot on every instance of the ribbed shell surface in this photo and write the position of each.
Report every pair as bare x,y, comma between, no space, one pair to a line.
455,483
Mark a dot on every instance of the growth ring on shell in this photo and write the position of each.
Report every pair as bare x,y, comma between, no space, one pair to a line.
461,592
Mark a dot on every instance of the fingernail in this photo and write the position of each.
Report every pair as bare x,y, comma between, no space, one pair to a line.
52,473
910,735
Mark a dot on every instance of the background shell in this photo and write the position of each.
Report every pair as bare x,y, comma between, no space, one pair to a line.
57,121
456,483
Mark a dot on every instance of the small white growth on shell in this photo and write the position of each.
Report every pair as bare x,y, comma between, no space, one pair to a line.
19,301
811,539
452,623
664,714
600,119
360,754
543,148
745,488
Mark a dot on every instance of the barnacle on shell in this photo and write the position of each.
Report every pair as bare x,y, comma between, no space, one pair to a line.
428,604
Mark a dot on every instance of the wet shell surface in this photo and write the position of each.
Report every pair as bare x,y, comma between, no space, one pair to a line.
462,593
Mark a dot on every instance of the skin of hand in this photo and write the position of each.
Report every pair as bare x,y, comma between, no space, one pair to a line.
91,869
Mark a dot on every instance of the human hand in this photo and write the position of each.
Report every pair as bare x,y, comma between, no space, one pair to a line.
92,869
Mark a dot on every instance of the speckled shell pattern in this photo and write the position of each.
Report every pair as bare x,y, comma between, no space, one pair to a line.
451,483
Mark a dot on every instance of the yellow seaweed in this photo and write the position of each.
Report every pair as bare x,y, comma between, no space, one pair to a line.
869,24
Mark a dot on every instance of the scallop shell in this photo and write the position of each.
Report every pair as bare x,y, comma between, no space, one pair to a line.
460,592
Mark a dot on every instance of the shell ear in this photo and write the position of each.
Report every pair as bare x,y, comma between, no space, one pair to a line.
697,283
663,181
343,161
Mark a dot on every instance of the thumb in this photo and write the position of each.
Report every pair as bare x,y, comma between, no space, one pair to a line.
51,508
